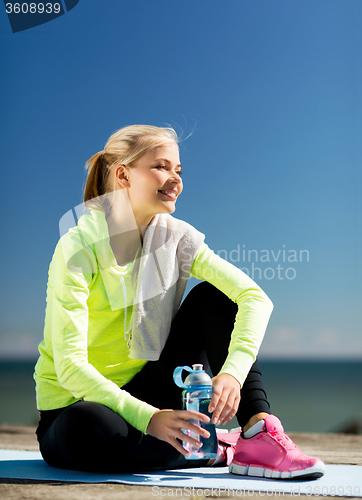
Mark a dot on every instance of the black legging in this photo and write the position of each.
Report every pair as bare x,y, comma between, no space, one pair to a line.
91,437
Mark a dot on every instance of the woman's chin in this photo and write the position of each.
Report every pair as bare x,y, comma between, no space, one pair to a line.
169,208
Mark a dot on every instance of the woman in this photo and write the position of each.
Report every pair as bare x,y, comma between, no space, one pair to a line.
115,330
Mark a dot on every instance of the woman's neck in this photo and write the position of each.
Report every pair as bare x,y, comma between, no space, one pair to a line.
123,218
126,229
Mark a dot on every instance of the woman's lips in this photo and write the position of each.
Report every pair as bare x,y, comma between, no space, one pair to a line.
170,194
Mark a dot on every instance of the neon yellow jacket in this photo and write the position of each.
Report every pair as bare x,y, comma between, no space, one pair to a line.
84,353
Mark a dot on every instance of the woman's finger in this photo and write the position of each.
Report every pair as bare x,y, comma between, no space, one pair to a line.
177,445
192,415
178,436
188,439
224,385
196,429
229,411
222,402
227,407
226,410
215,399
217,412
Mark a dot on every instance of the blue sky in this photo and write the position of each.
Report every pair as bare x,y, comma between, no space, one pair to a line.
270,91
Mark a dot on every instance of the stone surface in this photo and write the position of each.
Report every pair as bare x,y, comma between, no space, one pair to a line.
331,448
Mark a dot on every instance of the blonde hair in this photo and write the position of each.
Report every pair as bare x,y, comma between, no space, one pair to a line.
124,147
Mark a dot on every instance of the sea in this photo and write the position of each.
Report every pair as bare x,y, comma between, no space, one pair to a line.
308,396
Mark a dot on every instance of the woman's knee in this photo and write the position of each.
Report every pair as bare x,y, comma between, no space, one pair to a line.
210,295
88,419
84,435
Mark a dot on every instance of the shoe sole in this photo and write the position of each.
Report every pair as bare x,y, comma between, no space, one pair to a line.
314,472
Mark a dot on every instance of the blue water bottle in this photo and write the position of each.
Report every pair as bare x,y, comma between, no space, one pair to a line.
197,396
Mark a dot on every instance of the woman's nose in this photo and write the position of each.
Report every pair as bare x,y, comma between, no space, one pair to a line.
176,178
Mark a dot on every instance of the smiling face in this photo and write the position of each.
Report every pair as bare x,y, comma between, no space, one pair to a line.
154,182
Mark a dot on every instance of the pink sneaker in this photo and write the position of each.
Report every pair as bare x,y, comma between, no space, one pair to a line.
227,444
271,453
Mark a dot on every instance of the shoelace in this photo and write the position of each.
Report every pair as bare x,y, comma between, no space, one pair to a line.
228,451
127,334
284,440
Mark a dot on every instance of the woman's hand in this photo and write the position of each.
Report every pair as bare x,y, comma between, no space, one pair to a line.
166,425
225,399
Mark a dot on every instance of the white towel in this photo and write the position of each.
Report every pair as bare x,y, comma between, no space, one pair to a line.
169,249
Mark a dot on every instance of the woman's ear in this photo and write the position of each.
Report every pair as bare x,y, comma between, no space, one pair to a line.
122,176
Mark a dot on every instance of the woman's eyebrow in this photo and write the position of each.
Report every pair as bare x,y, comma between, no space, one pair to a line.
167,161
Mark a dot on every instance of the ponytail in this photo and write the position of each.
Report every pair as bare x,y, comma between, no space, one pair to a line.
94,183
124,147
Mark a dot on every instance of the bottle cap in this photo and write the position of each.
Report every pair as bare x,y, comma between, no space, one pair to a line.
197,377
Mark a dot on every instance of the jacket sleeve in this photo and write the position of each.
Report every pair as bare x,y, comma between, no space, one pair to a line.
70,283
254,309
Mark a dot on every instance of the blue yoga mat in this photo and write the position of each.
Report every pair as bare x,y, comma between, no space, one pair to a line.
339,480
